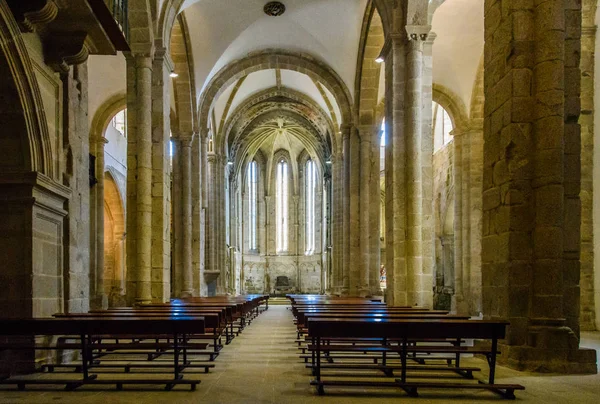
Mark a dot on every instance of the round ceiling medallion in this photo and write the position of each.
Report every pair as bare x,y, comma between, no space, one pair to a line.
274,8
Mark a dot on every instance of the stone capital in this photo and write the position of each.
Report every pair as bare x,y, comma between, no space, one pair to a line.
100,141
365,132
418,32
431,38
345,130
161,55
186,138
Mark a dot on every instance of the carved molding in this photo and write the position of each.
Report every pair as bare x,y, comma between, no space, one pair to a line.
33,15
65,49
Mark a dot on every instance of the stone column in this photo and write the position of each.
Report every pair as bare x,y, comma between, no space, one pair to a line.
222,246
467,171
458,299
336,223
99,299
204,211
531,206
375,212
419,213
346,209
354,248
395,160
211,258
586,120
197,256
139,195
186,140
365,209
161,176
177,218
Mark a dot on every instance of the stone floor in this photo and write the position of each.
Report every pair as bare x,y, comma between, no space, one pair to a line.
261,366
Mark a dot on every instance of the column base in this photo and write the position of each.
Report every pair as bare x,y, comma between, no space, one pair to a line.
550,349
531,359
99,302
364,293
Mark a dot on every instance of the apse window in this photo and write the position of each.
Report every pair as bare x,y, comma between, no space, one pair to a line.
252,204
310,183
119,122
282,206
442,127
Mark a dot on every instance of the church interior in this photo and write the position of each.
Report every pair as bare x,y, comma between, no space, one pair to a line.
218,182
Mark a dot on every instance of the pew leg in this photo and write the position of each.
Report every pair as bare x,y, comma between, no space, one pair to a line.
492,359
403,359
317,369
175,358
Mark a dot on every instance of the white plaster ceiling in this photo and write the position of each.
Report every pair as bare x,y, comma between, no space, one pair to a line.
223,31
265,79
458,47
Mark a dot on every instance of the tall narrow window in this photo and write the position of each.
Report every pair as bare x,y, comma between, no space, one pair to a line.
282,206
252,207
310,182
119,122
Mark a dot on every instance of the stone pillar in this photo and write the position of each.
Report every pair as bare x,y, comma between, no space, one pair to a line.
467,169
336,223
197,246
345,210
139,179
161,176
586,120
211,256
459,302
531,207
354,258
99,299
365,209
419,213
186,213
221,245
375,213
395,202
177,218
426,149
204,210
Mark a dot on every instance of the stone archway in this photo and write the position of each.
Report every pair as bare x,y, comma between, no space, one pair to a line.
276,59
28,173
27,145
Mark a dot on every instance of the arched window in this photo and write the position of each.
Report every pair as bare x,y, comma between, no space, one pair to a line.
119,122
310,183
282,206
442,126
252,204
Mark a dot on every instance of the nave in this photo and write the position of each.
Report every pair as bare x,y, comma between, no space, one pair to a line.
262,366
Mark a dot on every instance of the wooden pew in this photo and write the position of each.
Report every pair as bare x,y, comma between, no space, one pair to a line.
153,346
215,327
430,349
233,311
405,330
86,329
